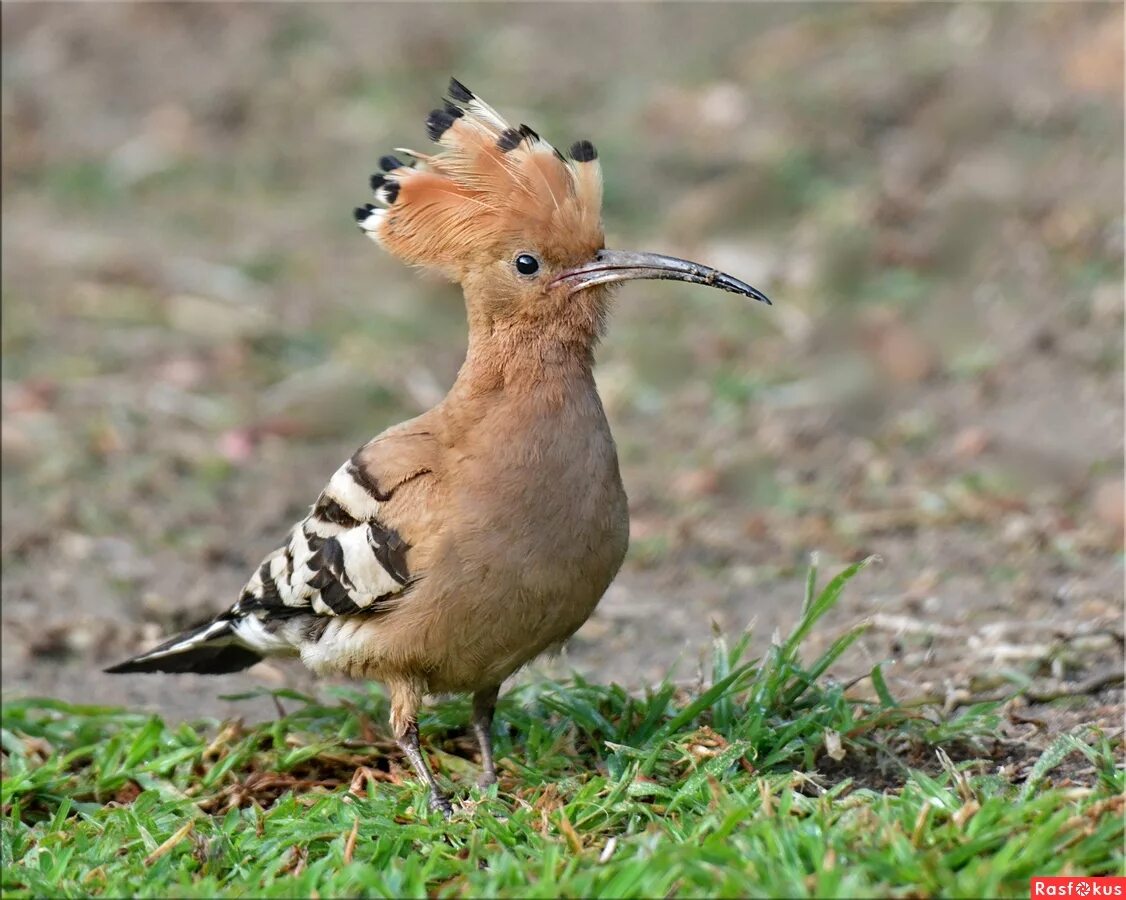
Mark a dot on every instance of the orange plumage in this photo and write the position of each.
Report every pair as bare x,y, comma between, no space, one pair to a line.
491,185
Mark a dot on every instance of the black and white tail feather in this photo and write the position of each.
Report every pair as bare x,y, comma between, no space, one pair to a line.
339,561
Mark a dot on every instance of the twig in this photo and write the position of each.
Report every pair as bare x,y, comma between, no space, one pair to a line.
182,832
350,844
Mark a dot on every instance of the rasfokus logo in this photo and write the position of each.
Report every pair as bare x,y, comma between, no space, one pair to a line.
1078,886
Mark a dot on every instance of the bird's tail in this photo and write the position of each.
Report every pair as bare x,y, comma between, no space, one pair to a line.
210,649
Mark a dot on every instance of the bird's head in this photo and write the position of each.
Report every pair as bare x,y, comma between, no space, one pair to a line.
512,219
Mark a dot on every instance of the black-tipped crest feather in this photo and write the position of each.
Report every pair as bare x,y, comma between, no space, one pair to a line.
437,123
459,91
583,151
488,179
509,140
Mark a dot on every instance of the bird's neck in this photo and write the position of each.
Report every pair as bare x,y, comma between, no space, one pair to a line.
545,363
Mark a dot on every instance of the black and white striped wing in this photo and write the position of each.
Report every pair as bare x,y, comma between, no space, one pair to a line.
340,560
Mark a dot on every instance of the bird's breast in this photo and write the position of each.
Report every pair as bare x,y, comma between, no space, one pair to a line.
542,497
533,530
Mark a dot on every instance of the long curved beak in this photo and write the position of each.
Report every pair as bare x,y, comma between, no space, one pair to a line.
625,265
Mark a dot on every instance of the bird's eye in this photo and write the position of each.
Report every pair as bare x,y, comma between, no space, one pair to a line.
526,264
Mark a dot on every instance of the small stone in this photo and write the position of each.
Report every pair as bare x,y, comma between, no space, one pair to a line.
1108,503
693,484
897,349
237,445
970,443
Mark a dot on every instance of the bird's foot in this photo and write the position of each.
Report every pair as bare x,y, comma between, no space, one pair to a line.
488,779
440,803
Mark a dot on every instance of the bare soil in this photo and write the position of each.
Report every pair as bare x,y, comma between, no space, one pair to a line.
194,335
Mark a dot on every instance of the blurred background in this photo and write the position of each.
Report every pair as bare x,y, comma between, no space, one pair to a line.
195,335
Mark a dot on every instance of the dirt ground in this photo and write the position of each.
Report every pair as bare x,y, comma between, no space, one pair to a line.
194,335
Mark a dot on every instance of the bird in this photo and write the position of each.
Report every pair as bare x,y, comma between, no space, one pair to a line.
452,549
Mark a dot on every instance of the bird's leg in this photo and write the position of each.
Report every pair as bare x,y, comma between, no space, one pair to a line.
484,705
409,745
406,697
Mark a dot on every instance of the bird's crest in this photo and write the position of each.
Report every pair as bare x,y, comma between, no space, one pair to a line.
490,187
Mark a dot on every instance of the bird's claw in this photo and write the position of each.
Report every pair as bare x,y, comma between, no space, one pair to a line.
487,779
440,803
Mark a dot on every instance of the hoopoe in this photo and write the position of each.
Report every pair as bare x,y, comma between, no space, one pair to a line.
454,548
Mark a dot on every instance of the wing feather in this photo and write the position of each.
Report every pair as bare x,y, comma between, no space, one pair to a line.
339,560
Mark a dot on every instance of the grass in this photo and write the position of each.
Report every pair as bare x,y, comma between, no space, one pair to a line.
768,779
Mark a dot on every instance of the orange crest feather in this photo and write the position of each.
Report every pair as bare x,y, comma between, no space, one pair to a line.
490,189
